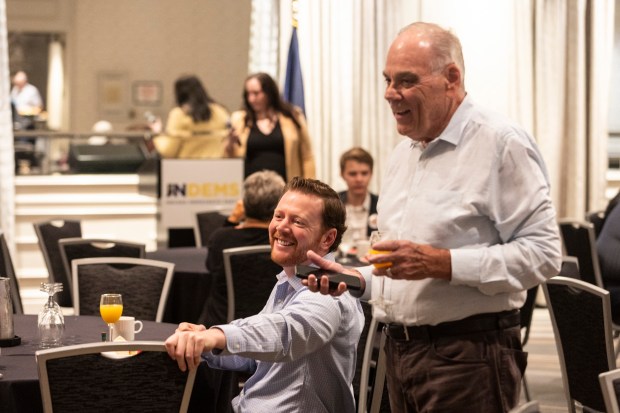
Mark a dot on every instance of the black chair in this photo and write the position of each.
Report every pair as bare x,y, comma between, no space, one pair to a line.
48,234
247,285
87,378
144,285
76,248
579,241
581,318
206,223
570,267
527,313
7,270
610,386
596,218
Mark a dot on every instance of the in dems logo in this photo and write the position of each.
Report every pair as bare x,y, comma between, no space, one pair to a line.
201,192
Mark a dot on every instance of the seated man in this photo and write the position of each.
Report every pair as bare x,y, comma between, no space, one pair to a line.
301,348
356,169
261,193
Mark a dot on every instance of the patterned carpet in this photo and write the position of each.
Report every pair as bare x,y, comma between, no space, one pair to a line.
543,373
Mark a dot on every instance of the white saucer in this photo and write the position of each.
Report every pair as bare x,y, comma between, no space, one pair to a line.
117,355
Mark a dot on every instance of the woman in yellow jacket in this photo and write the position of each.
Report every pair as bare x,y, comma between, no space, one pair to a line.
197,127
270,133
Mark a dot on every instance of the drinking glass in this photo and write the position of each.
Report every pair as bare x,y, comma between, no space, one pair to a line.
381,301
111,309
51,322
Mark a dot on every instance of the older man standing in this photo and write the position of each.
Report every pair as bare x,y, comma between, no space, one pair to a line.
466,203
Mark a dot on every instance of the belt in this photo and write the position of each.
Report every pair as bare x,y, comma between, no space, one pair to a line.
474,324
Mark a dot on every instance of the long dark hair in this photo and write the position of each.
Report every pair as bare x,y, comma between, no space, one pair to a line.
189,89
274,100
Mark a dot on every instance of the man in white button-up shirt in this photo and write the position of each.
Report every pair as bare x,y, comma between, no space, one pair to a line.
467,205
301,348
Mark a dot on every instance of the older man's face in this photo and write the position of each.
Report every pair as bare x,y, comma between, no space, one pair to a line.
419,99
296,228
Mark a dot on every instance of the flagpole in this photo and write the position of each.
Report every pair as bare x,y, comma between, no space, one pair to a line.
294,12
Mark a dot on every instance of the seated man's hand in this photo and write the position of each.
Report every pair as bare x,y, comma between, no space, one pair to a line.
323,287
191,340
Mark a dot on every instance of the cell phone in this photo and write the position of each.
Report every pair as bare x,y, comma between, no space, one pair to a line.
352,281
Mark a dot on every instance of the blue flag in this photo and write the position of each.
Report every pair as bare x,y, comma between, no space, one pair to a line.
293,84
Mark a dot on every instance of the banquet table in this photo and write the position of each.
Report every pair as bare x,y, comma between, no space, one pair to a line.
190,285
19,387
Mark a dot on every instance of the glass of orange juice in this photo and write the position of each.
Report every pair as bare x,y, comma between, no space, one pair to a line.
111,309
381,301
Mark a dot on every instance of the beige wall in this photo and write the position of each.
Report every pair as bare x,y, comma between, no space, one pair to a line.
142,40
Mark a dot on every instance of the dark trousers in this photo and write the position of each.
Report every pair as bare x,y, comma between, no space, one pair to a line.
476,372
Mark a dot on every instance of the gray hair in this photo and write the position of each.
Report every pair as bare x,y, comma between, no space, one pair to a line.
261,192
445,44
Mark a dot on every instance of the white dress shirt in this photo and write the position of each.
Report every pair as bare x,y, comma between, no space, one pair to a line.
480,189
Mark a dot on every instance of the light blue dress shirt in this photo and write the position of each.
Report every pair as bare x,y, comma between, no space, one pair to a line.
301,348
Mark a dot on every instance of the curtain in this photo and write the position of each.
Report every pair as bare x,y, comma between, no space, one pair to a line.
55,86
573,55
7,161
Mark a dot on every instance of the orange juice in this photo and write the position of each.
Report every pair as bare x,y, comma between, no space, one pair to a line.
111,312
380,264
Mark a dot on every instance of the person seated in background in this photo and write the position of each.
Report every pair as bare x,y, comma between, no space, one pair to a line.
269,132
301,347
197,127
356,169
261,193
607,247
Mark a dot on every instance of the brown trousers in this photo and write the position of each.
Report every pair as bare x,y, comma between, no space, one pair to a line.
477,373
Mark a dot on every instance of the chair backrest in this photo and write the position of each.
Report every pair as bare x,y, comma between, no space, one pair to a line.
48,234
527,312
596,218
76,248
7,270
579,241
206,223
570,267
250,277
529,407
144,285
147,381
610,386
372,389
581,318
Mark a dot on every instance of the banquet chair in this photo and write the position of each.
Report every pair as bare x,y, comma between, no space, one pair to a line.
48,234
7,270
579,241
596,218
144,285
527,312
581,318
249,279
610,386
93,377
372,390
76,248
206,223
570,267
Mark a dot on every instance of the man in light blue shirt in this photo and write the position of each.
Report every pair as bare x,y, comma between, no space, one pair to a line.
301,348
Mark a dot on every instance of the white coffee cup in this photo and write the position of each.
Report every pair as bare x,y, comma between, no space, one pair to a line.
126,327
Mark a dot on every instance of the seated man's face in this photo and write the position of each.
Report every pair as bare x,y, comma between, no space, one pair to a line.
297,227
357,176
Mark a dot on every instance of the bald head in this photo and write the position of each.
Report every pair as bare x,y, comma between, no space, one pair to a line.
20,79
441,45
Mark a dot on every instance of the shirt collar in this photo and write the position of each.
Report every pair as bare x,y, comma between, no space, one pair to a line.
454,131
